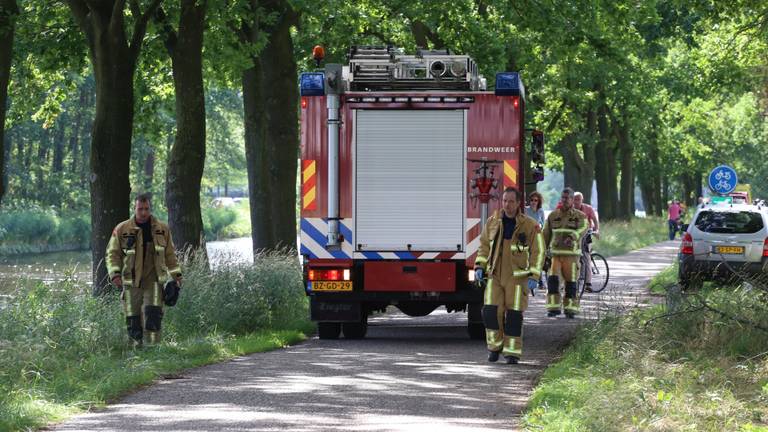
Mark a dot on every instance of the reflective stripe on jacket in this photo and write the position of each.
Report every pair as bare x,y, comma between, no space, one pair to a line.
527,246
126,249
564,230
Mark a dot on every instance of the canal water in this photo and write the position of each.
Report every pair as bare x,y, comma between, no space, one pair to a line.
54,266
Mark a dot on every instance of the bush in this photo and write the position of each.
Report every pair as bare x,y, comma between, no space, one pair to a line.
216,219
38,229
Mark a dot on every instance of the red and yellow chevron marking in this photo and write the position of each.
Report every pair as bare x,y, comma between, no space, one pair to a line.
308,185
510,173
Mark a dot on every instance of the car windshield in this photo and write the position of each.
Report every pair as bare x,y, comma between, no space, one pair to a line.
743,222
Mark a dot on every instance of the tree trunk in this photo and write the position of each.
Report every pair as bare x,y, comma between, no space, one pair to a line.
58,146
603,159
8,12
149,170
578,169
114,64
271,131
256,159
187,156
281,110
626,151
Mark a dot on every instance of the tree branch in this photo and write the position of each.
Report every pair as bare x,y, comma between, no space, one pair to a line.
140,27
166,30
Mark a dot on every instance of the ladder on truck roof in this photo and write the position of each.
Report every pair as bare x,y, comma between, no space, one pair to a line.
377,68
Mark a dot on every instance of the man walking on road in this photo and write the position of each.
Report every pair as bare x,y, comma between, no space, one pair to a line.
512,253
673,211
593,223
139,256
563,232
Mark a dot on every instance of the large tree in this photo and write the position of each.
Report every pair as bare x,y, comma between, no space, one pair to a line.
186,160
113,55
8,12
270,100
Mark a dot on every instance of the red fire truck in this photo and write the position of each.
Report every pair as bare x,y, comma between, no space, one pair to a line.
403,157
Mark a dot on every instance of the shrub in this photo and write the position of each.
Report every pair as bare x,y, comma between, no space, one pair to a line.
216,219
28,225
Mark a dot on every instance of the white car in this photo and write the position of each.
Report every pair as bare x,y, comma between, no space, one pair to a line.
721,239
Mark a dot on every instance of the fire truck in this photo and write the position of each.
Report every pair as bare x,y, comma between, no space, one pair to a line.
403,158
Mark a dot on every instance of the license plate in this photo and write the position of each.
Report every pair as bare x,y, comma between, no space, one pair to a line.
332,286
730,249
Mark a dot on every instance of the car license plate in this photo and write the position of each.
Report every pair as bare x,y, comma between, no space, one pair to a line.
730,249
332,286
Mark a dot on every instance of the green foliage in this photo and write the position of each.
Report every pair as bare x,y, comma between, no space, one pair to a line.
694,371
619,237
661,283
61,350
35,229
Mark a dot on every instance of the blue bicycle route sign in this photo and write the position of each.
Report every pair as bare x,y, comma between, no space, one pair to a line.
723,180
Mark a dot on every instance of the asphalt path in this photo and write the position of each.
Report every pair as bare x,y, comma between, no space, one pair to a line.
408,374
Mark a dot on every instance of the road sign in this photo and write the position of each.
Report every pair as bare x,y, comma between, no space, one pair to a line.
723,180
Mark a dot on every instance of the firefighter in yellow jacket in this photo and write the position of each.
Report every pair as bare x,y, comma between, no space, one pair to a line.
563,233
140,258
511,253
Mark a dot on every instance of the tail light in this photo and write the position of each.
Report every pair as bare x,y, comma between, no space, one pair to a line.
686,247
765,248
328,274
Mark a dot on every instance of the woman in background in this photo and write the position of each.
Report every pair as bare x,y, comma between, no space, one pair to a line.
535,209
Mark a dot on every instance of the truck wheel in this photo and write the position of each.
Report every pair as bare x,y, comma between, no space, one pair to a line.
353,330
476,330
328,330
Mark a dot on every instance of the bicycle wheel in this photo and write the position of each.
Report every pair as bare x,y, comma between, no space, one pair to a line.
599,272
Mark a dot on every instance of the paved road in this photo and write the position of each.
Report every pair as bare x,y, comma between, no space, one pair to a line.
409,374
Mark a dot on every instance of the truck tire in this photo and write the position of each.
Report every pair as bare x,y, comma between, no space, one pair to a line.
476,330
475,327
353,330
328,330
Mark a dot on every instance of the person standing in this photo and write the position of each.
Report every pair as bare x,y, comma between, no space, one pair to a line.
536,210
563,232
140,256
673,217
593,223
512,254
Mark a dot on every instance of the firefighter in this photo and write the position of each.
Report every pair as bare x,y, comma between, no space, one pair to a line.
511,253
563,233
140,256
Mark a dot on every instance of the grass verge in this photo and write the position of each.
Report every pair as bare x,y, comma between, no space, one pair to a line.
663,280
63,351
692,371
620,237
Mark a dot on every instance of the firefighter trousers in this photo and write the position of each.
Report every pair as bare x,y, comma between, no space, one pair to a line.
567,268
503,307
143,307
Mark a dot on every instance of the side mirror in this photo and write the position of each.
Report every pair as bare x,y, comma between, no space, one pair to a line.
537,147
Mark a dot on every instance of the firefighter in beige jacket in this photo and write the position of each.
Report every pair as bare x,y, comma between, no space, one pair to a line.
140,258
563,233
511,253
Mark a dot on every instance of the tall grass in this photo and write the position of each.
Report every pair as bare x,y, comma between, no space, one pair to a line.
620,237
697,371
62,350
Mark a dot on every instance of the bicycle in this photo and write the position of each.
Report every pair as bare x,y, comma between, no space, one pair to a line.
598,267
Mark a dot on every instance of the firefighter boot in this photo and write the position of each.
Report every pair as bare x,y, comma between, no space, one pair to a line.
493,356
135,332
553,296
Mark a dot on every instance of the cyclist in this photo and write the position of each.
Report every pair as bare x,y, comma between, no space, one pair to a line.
593,225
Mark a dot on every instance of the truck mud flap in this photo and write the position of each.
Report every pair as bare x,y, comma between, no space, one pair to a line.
329,311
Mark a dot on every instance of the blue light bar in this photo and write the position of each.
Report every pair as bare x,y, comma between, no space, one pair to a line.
312,84
509,84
